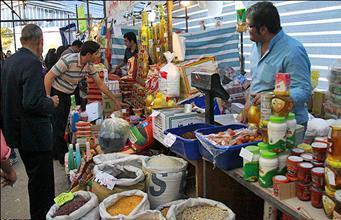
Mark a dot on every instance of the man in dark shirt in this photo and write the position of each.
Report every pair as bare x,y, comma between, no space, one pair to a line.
131,42
26,120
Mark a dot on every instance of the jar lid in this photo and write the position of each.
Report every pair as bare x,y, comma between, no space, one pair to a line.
280,179
253,149
319,145
291,116
268,154
262,146
298,150
338,195
319,170
306,165
277,119
333,163
307,156
295,159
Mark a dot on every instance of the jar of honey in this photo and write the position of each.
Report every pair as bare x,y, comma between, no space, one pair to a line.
334,137
333,174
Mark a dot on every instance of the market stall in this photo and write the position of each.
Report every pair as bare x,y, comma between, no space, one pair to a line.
183,113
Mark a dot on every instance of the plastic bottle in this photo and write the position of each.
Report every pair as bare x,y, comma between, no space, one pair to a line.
277,130
291,124
70,159
268,165
75,119
78,156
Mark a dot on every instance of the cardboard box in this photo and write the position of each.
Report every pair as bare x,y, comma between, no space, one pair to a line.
286,190
173,118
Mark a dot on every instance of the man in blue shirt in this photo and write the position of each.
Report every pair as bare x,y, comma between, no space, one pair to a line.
276,52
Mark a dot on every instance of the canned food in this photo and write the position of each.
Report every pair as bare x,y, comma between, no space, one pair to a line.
319,151
317,177
316,197
304,172
303,191
292,166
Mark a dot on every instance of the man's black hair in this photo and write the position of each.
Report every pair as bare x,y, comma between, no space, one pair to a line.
89,47
264,14
130,36
77,43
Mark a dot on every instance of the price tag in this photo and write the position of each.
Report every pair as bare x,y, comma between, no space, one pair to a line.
331,177
106,180
245,154
169,140
63,198
155,113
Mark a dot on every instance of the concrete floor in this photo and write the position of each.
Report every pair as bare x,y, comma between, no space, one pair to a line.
14,200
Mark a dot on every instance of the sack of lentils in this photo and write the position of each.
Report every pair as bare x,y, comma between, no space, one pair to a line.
124,204
200,209
84,205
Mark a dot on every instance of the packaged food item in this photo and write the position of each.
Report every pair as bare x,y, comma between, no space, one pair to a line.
282,84
307,157
317,177
124,205
333,174
279,179
304,172
334,151
281,105
282,162
291,123
277,130
292,167
337,209
297,152
268,166
251,168
328,205
319,151
303,191
316,197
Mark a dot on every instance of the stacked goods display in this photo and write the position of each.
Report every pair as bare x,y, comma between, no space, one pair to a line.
333,105
126,87
78,205
123,204
200,209
166,179
114,178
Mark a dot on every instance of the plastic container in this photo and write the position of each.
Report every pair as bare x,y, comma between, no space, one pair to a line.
282,162
303,191
333,174
317,177
263,146
291,124
251,168
316,197
292,167
223,157
277,130
319,151
187,148
268,168
304,172
276,180
337,209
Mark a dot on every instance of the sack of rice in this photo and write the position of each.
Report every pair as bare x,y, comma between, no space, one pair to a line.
147,215
120,158
200,209
124,204
84,205
112,178
165,207
165,179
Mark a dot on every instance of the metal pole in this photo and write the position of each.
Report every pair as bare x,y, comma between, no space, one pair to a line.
68,16
52,19
242,63
170,25
186,17
15,40
77,18
88,12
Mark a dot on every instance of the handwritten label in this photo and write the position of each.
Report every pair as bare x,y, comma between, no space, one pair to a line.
245,154
106,180
169,140
155,113
63,198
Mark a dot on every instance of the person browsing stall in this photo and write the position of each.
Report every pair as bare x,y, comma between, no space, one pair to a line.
62,80
274,52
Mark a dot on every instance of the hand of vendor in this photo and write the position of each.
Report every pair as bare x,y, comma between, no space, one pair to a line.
55,100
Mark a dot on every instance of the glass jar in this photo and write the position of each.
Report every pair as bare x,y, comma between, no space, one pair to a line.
292,167
297,152
316,197
337,209
333,174
307,157
268,166
304,172
277,130
279,179
334,150
319,151
251,168
317,177
303,191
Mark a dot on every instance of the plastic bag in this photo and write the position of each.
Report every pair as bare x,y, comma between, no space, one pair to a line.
114,134
88,211
169,79
175,210
143,206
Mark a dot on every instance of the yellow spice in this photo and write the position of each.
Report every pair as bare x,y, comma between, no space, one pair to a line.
124,205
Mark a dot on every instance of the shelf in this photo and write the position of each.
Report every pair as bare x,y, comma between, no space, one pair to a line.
294,207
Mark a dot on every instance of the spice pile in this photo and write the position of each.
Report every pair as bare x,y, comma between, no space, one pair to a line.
234,137
188,135
124,206
202,213
71,206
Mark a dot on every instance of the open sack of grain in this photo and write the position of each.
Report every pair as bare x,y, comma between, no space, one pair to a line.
120,158
146,215
165,207
165,179
124,204
83,206
200,209
114,178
